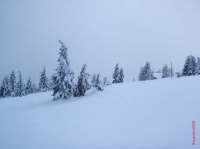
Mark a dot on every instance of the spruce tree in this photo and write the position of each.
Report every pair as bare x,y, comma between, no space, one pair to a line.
93,79
44,81
146,73
63,78
140,74
197,70
8,87
20,86
13,84
29,87
116,75
190,66
165,72
98,83
3,88
121,78
83,85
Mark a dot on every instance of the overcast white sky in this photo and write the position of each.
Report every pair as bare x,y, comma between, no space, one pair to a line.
100,33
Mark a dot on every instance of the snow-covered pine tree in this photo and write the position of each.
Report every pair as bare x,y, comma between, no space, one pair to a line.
116,75
20,86
165,71
8,87
140,74
146,72
3,88
121,73
190,66
13,84
83,85
98,83
29,87
93,79
105,81
63,78
197,70
44,81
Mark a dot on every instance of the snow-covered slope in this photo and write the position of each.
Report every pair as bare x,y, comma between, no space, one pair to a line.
137,115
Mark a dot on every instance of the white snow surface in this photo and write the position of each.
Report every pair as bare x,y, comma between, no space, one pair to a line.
154,114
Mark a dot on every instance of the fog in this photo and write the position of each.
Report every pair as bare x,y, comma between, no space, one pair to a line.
100,33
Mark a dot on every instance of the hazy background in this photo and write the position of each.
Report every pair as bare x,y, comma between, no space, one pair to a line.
100,33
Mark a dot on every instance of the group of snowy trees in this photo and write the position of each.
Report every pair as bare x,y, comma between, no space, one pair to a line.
10,87
192,66
146,73
118,75
63,85
97,83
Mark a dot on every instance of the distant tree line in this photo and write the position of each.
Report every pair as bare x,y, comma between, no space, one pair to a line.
12,87
191,67
62,81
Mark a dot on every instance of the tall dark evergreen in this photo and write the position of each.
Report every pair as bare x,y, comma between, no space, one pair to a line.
98,83
8,87
116,75
93,79
140,74
29,87
63,78
44,81
197,70
146,73
83,85
20,86
13,84
190,66
165,71
3,88
121,73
